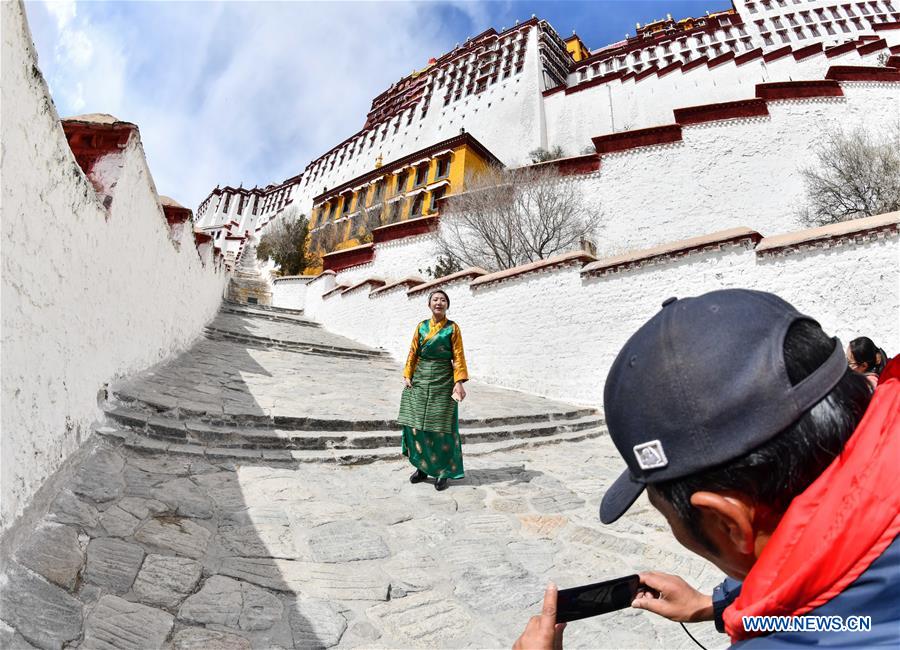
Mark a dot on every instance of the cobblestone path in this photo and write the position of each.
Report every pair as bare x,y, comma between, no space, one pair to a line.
209,515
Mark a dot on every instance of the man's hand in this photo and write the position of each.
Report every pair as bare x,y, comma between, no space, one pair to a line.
542,632
677,600
459,393
407,382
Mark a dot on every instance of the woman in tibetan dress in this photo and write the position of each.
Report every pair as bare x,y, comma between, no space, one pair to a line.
429,408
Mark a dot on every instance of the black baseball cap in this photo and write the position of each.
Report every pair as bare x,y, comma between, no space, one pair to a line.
701,383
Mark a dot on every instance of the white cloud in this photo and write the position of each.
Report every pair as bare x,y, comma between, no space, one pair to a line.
239,92
62,10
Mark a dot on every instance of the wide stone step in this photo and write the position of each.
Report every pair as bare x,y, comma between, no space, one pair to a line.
145,414
302,347
277,310
261,315
339,456
322,438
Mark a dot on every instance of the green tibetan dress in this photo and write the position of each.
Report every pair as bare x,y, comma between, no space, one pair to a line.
428,414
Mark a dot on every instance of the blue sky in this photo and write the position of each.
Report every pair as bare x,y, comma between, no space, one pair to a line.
250,92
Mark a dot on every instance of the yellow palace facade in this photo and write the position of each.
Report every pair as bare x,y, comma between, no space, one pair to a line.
407,188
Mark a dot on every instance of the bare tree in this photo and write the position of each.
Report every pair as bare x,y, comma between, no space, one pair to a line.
508,217
369,218
857,175
541,154
285,242
323,240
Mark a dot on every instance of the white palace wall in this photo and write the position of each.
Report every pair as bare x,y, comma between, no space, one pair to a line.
89,293
722,174
573,119
725,173
555,331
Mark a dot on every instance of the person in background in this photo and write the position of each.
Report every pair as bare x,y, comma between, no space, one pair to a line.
433,387
769,458
866,358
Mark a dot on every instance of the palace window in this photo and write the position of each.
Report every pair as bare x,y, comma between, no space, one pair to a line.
227,203
417,203
393,214
443,166
421,174
436,196
379,192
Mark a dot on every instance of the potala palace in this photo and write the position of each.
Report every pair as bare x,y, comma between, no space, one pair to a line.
503,94
198,452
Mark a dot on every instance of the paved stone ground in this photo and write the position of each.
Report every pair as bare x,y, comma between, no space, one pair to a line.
148,550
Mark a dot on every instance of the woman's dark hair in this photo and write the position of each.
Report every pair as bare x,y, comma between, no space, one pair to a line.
865,351
440,291
782,468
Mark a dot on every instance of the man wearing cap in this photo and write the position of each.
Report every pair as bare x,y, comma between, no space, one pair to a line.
759,446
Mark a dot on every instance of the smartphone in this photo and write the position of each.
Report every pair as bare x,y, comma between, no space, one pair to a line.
599,598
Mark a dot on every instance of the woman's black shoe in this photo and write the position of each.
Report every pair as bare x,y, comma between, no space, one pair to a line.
418,476
440,484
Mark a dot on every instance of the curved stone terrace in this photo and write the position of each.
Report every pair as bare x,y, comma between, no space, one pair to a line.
250,494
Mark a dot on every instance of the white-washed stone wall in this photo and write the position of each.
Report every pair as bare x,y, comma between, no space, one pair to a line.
727,173
723,174
573,119
88,294
555,333
289,292
395,260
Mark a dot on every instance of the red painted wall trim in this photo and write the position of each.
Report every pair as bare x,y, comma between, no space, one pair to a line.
375,282
553,91
883,27
894,49
340,260
338,288
799,89
871,48
662,72
90,141
746,57
893,61
808,51
176,215
465,274
719,60
721,111
696,63
596,81
637,138
628,75
201,237
643,74
840,49
402,229
777,54
861,73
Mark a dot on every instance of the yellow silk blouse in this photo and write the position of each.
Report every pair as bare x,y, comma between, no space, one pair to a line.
460,372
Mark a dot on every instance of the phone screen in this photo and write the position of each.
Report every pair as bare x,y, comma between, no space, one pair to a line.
598,598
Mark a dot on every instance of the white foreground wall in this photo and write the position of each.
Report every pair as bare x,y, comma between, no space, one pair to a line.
88,293
555,331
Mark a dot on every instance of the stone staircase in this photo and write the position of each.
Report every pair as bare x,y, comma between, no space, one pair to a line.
199,405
